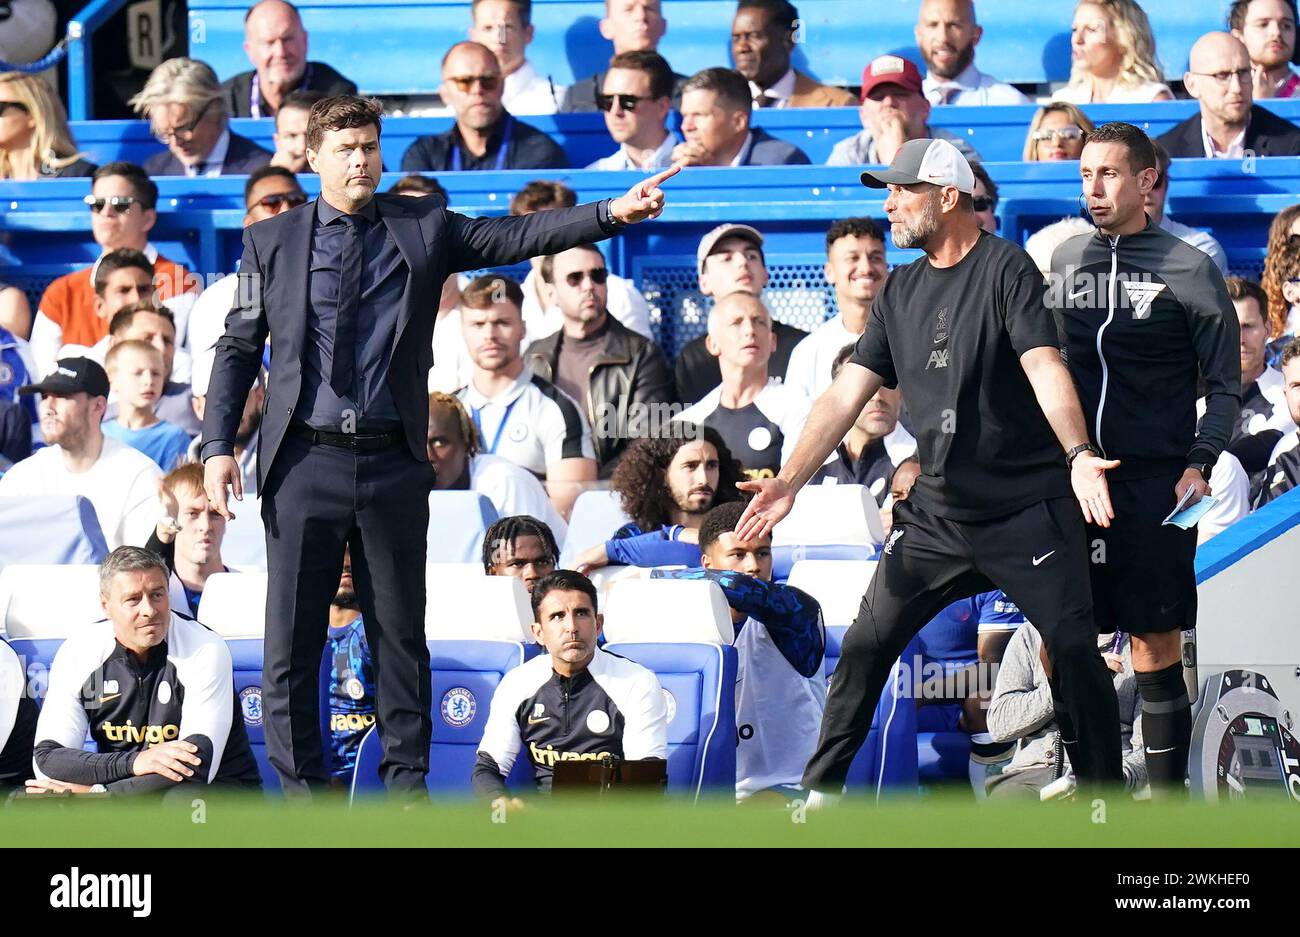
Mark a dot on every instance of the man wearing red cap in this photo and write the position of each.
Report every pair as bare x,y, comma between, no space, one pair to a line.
894,110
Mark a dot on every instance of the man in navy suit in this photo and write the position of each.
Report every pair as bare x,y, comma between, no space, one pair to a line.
716,106
345,287
186,108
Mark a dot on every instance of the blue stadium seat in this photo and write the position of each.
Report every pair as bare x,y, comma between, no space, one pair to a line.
457,522
700,680
596,515
827,522
52,529
465,675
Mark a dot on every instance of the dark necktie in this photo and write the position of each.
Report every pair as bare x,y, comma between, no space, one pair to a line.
345,319
766,100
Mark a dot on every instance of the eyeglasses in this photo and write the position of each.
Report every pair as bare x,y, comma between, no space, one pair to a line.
1060,133
627,102
598,276
275,200
984,203
1223,79
16,105
465,83
184,131
120,204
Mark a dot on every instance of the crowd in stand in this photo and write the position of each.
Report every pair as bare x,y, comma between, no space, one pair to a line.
544,389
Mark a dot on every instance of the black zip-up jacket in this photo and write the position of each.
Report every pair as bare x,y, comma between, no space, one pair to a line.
1142,316
613,707
183,690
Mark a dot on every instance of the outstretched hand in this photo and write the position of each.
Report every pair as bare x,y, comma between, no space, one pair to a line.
773,499
1088,479
644,200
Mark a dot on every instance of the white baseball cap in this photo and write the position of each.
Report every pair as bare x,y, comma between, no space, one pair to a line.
935,161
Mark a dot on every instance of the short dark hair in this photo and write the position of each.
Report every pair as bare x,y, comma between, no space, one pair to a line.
486,291
266,172
854,228
1290,352
782,12
123,318
541,194
425,185
566,580
509,529
525,9
654,65
128,559
124,258
548,262
1237,20
1239,289
982,175
731,87
146,192
342,112
300,100
720,520
1141,154
841,356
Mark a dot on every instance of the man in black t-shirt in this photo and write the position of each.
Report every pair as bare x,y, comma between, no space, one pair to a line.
966,334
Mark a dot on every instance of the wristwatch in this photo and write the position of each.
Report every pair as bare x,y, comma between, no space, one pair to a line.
1074,453
1204,468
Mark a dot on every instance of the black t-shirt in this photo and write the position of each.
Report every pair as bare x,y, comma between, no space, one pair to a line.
952,338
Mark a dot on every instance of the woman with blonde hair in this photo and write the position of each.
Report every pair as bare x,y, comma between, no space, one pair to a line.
1113,56
1058,132
1280,265
35,142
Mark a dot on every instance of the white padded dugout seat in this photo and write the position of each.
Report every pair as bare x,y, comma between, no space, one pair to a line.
825,515
41,602
244,544
837,585
667,611
462,607
595,517
234,604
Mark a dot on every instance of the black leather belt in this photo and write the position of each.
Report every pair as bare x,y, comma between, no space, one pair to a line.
355,442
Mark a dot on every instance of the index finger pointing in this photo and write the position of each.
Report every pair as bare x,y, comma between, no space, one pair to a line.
668,173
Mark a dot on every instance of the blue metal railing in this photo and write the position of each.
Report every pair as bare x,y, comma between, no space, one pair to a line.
81,70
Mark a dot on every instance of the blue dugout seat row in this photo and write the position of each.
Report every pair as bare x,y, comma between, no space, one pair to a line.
394,46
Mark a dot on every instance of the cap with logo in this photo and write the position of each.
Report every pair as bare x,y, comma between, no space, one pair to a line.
72,376
935,161
710,240
890,70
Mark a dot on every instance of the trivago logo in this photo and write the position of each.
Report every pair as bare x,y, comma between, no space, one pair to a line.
76,890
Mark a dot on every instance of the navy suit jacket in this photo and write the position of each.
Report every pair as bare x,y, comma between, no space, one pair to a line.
273,292
242,157
769,151
1267,135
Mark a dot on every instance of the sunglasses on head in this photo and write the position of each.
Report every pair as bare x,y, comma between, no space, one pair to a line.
598,276
984,203
275,200
465,83
121,204
627,102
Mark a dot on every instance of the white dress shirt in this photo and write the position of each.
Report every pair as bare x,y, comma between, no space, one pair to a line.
527,91
971,88
780,92
621,161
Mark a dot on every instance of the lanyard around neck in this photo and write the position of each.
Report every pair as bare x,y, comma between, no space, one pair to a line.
456,160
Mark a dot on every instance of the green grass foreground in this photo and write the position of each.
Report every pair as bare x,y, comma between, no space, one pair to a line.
936,820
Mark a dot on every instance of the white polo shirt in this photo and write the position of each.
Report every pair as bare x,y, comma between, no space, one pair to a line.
532,424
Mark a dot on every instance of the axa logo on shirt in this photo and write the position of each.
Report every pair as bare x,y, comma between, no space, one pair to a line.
938,359
140,735
76,890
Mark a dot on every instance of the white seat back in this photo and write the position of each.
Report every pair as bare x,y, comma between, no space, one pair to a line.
667,611
837,585
595,517
475,608
843,515
244,544
48,601
234,604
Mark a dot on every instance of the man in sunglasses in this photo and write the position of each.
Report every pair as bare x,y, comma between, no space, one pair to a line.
345,288
485,135
121,203
618,377
269,191
1229,125
636,96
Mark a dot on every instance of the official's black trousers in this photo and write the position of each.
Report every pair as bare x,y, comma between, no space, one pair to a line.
317,500
1038,557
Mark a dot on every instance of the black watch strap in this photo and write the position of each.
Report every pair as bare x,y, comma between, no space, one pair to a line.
1074,453
1205,468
